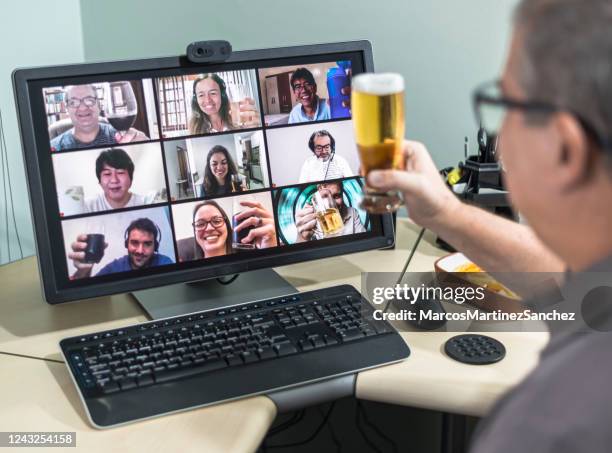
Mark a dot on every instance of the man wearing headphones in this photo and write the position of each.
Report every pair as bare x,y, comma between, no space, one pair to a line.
142,238
324,164
306,222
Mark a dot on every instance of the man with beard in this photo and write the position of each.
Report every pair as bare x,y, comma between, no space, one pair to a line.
324,164
306,222
142,243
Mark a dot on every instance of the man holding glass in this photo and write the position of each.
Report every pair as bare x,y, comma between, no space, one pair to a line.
552,112
308,228
87,129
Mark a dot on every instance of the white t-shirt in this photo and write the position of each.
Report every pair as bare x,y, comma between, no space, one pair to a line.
100,204
314,169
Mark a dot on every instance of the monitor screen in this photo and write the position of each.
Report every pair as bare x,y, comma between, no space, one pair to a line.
152,172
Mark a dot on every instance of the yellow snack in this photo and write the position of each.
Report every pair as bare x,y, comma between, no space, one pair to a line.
485,280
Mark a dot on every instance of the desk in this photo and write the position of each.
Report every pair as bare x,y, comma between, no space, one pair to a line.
428,379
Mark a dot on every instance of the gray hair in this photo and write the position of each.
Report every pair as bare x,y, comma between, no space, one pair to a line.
566,59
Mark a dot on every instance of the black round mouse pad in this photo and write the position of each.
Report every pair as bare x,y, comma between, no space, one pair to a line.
475,349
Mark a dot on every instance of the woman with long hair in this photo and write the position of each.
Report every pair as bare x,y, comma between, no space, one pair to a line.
210,106
220,168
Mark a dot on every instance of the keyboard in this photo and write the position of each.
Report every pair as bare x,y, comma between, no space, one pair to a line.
202,358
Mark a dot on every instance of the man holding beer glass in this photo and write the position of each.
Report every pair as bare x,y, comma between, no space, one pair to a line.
393,165
551,112
307,223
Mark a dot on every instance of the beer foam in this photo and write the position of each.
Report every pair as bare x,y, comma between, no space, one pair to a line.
381,84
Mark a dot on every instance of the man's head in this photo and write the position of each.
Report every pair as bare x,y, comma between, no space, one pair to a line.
141,242
557,171
335,188
304,88
83,109
115,169
322,144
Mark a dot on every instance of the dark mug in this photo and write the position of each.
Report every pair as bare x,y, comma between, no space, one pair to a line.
95,248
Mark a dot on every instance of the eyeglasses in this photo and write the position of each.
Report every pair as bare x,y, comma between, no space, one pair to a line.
491,108
302,86
75,103
319,148
216,222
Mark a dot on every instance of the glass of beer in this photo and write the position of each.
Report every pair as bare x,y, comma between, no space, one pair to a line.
377,105
326,212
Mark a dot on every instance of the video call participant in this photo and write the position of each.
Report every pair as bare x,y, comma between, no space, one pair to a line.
142,238
88,130
324,163
213,230
211,108
220,168
310,106
306,222
115,171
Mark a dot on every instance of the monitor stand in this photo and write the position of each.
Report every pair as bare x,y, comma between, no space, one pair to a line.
184,298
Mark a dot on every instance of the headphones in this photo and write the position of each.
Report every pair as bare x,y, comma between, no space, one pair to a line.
135,226
222,91
322,133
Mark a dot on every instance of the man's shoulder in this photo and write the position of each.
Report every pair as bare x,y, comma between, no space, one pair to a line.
163,259
565,399
324,111
117,265
65,139
107,129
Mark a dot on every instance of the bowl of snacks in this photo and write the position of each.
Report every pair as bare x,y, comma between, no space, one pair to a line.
456,270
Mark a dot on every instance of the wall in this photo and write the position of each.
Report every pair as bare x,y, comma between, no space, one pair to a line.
33,33
444,48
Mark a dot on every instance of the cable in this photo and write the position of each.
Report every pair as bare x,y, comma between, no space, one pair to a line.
313,435
361,409
294,420
4,192
401,277
10,185
364,434
332,433
227,282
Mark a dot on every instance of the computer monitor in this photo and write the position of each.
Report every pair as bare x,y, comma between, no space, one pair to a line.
149,173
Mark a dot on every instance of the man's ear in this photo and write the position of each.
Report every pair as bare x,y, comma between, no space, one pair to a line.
574,159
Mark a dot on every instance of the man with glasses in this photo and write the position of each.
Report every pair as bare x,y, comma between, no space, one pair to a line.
306,222
324,164
87,129
552,111
309,107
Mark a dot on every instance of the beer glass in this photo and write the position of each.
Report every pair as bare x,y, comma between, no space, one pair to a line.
377,105
326,212
237,180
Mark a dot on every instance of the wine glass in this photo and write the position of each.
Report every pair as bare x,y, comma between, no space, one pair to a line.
120,106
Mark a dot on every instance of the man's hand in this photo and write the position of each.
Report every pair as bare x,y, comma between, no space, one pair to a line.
132,135
78,257
306,222
429,201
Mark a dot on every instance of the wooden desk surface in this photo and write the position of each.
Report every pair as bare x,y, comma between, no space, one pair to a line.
39,395
428,379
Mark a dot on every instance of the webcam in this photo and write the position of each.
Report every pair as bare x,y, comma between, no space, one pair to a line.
209,51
